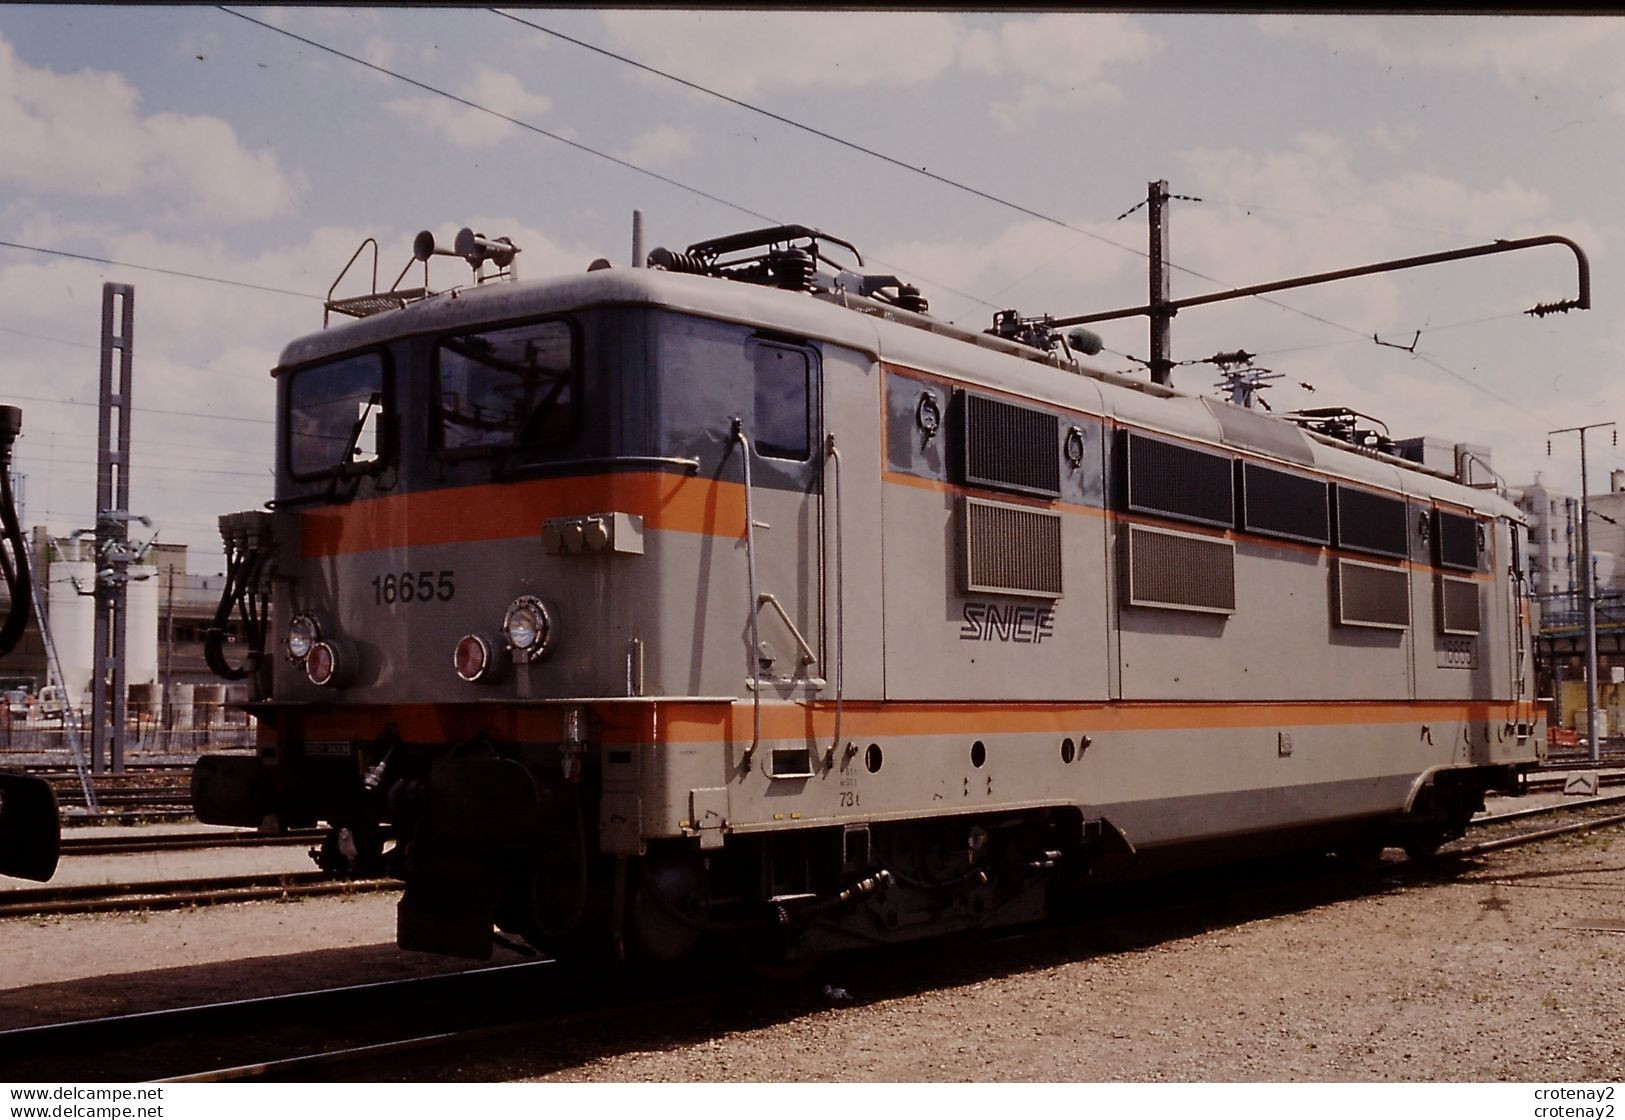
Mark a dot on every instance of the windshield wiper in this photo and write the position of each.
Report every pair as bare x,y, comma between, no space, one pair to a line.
351,447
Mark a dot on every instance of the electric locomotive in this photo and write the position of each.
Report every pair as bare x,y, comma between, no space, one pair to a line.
733,597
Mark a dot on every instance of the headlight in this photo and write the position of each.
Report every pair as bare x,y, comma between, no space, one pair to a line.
303,633
528,626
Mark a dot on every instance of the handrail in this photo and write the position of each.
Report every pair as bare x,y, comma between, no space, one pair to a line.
738,433
840,606
767,598
327,308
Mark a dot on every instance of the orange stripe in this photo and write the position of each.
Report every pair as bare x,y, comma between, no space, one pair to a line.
693,722
511,510
684,723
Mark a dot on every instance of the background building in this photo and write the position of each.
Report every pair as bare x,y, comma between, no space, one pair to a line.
1553,558
169,609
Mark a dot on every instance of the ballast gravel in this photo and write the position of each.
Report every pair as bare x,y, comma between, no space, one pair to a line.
1506,969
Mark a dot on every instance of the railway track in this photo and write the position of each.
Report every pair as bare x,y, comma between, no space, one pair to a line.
1538,783
532,1010
1506,830
102,844
176,894
181,893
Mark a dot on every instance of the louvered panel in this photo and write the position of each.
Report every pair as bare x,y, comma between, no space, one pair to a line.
1173,480
1368,522
1009,550
1459,606
1457,540
1179,571
1373,595
1007,447
1282,504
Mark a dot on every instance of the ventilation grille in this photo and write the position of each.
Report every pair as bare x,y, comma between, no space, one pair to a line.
1285,505
1178,481
1459,606
1457,538
1010,550
1373,595
1368,522
1008,447
1180,571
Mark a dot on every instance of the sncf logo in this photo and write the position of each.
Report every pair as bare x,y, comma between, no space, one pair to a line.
990,622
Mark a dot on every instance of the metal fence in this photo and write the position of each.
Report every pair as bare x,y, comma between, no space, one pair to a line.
35,738
1567,611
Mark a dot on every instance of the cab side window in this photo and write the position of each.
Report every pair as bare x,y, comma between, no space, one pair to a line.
783,378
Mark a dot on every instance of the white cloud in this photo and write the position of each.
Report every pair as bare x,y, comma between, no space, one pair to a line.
470,128
1033,266
1050,61
1058,61
83,134
381,52
1572,50
1317,205
660,147
742,53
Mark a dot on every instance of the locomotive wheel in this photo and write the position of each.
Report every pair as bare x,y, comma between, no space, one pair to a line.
1363,855
1425,845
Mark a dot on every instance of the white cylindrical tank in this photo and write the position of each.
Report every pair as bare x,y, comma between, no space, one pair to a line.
141,626
180,706
73,626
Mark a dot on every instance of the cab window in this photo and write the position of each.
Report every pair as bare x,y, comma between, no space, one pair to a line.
783,428
335,414
513,387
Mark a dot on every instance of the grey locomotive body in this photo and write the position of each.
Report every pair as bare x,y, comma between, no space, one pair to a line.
642,608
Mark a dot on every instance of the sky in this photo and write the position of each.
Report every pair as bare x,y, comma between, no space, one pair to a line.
240,167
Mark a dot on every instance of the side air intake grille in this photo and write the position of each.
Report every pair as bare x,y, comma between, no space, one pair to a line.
1009,550
1173,480
1180,571
1368,522
1457,538
1285,505
1459,606
1373,595
1007,447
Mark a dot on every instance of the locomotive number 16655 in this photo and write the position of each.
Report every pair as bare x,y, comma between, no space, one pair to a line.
410,587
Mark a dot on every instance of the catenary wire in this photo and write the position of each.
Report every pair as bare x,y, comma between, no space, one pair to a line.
154,268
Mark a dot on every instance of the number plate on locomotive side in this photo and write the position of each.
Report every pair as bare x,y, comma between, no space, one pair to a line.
414,587
1458,653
